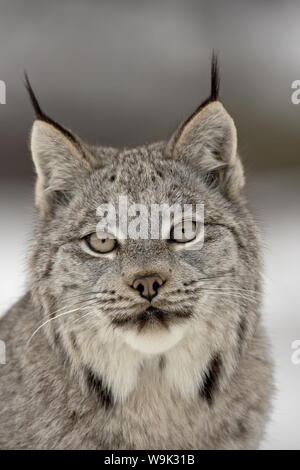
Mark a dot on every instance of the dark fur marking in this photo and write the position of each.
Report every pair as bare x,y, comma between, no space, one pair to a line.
60,198
48,268
71,286
51,306
56,339
189,283
241,333
242,429
52,315
59,346
97,386
73,341
162,362
211,378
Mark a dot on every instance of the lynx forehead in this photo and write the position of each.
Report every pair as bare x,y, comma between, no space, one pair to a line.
137,341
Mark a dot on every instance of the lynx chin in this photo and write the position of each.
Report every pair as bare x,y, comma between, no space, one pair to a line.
138,343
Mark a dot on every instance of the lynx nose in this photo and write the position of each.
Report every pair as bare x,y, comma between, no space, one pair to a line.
148,286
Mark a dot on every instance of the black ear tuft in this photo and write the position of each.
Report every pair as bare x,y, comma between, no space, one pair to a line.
214,82
34,101
39,113
215,78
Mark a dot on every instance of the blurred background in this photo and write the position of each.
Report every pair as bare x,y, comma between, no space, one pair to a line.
127,72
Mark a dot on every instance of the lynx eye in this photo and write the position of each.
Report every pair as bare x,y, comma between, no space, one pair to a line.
101,242
184,232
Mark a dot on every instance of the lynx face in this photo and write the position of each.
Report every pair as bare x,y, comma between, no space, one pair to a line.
147,294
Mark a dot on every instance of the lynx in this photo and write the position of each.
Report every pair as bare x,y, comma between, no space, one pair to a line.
138,343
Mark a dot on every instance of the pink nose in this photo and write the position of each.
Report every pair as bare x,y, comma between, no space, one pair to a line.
148,286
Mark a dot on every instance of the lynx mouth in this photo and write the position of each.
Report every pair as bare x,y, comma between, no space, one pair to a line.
153,317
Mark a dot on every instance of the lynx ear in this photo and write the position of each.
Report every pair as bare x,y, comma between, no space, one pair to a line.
60,158
208,142
59,164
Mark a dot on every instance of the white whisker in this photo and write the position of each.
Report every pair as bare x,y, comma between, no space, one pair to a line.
56,317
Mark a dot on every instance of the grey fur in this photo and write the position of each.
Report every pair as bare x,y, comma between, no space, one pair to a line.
80,383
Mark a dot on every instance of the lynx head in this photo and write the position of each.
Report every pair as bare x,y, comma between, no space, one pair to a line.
144,295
